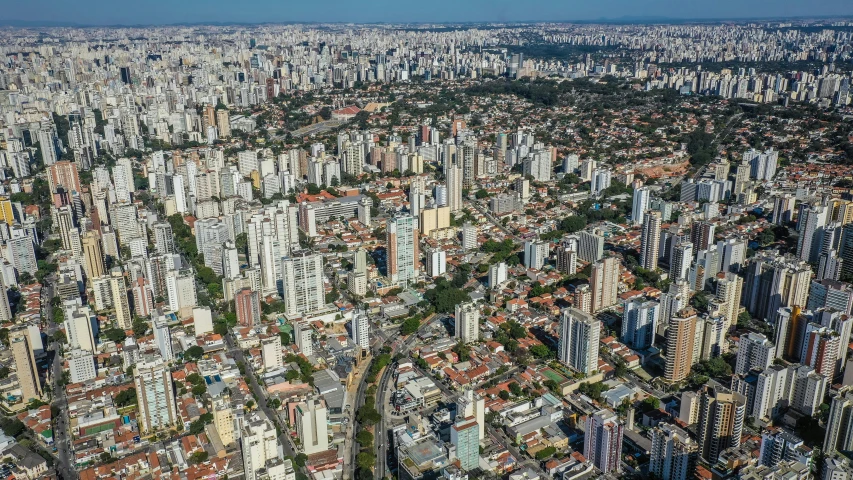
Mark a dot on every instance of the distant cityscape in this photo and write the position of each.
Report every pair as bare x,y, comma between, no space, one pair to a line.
427,251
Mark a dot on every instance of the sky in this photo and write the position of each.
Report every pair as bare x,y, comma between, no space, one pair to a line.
158,12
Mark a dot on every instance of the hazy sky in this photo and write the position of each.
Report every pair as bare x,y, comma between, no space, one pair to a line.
174,11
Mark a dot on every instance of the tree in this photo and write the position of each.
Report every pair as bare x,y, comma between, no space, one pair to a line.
650,403
59,336
116,335
364,438
300,460
410,326
194,353
365,460
198,457
285,338
199,390
125,398
481,194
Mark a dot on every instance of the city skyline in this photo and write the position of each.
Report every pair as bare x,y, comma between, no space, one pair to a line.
47,13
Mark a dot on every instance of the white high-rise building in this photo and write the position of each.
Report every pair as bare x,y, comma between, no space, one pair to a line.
261,459
578,343
202,320
360,328
271,353
163,338
673,453
81,364
467,322
642,197
755,351
471,405
303,282
497,274
312,427
78,328
403,251
535,254
454,188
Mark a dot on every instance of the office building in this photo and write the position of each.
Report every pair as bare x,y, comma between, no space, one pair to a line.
603,441
578,343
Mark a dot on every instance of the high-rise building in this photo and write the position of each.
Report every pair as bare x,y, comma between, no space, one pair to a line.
783,209
639,319
68,232
261,460
311,426
603,441
729,288
118,289
578,342
271,353
360,328
642,197
469,236
604,283
467,322
813,220
163,339
454,187
465,438
774,281
403,255
93,255
223,420
25,364
81,365
828,293
650,240
567,260
247,305
164,239
63,174
821,349
721,416
682,256
78,329
680,340
777,446
303,337
22,254
673,454
153,382
5,308
535,254
839,428
471,405
436,262
303,282
497,274
755,351
702,235
590,246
